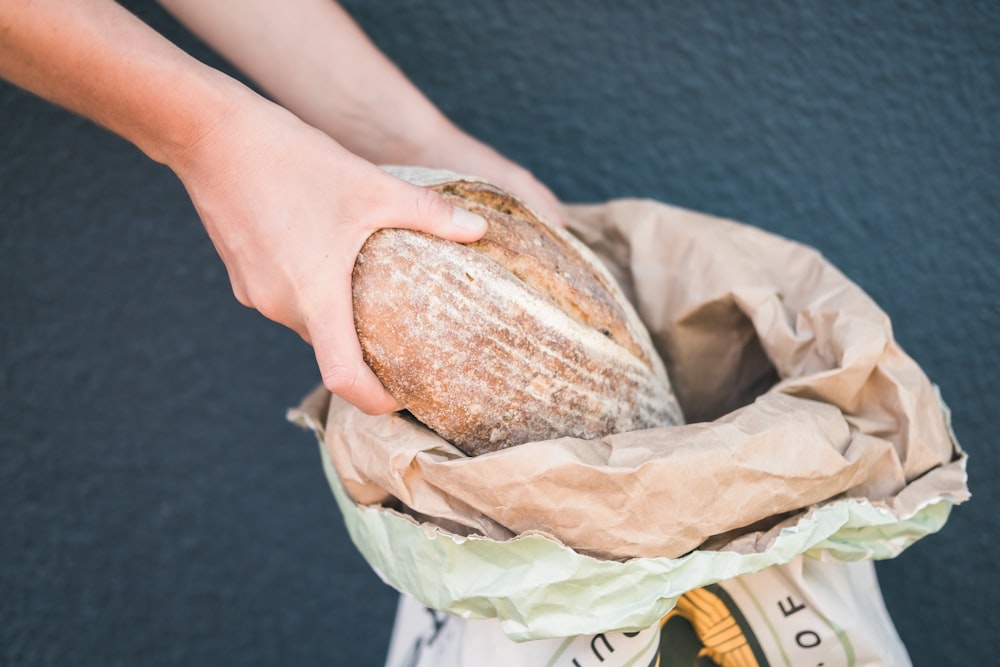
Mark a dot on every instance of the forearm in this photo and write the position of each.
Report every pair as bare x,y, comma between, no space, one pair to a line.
311,56
96,59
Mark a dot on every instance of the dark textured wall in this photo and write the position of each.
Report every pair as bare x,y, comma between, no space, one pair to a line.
156,509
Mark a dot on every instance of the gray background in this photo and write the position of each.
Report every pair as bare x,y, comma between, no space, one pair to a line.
156,509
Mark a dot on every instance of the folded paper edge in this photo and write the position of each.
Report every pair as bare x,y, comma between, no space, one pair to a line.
466,576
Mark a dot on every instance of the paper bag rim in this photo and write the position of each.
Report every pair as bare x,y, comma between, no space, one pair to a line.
536,587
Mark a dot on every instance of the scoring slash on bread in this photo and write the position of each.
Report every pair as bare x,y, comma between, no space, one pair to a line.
520,336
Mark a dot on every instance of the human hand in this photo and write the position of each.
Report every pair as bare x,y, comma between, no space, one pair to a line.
464,154
315,60
288,210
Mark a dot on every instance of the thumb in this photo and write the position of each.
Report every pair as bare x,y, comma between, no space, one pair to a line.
424,210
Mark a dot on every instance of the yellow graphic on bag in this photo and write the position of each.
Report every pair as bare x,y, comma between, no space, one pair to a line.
707,629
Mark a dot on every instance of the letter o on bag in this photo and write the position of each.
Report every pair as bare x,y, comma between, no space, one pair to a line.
807,639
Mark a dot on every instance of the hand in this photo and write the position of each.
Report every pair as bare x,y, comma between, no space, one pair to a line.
314,59
288,210
462,153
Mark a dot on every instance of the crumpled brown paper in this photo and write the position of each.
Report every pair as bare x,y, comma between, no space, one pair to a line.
794,389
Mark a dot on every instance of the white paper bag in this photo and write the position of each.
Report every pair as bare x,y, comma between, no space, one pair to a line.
804,613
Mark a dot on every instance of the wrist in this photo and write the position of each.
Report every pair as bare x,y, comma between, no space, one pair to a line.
203,104
441,145
416,138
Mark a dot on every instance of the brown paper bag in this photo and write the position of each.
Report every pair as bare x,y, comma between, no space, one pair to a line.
795,392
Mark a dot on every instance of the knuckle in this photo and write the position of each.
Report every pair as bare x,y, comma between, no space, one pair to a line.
340,378
428,205
242,295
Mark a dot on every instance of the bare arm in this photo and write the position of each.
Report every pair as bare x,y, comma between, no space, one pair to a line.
98,60
315,60
287,207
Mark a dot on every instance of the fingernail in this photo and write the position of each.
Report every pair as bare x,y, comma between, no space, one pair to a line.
467,220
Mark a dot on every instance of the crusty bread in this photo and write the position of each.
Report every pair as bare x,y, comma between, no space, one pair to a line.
518,337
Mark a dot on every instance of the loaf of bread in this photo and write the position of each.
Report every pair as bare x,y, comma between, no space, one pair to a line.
518,337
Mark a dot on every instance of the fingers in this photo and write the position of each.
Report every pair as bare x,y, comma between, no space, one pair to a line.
354,381
522,184
338,355
541,200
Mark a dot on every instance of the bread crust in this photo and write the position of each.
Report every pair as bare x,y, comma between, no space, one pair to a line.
518,337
